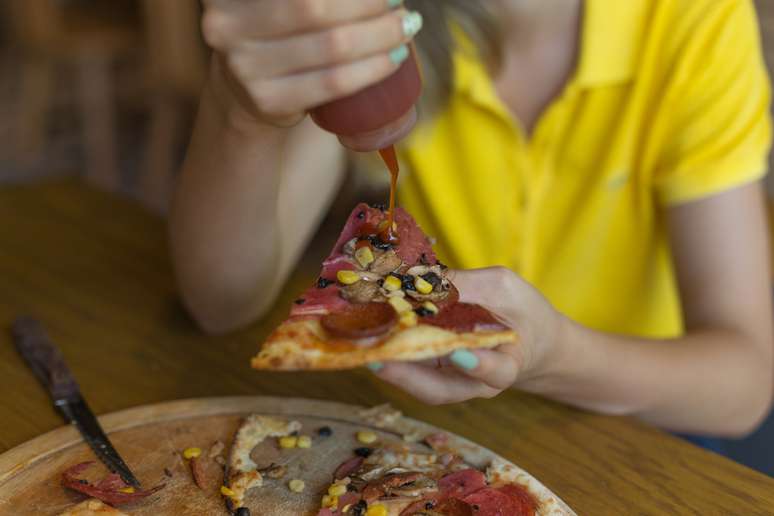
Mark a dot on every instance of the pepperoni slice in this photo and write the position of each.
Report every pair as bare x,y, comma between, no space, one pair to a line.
461,483
521,496
465,317
360,321
495,502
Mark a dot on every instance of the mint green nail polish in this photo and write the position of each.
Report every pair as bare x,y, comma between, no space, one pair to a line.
394,3
375,366
400,54
412,23
464,359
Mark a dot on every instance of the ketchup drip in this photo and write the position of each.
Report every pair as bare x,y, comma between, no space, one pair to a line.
388,234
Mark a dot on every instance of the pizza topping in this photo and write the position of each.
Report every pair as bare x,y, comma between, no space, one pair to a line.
300,301
426,309
348,467
192,453
422,286
304,441
462,483
197,472
367,436
288,441
495,502
392,283
376,510
386,262
362,292
347,277
323,283
331,502
360,321
400,305
325,431
465,317
296,485
364,256
242,511
363,452
109,489
226,491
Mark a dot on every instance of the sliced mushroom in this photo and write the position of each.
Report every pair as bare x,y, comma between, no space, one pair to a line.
362,292
385,263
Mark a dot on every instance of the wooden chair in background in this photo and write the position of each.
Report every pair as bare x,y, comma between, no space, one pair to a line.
177,59
51,36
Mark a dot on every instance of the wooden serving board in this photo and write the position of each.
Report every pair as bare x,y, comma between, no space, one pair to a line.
151,439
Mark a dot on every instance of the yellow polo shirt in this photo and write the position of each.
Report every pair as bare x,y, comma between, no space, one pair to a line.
669,104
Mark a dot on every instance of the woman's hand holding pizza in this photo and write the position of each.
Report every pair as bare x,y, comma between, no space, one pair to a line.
485,373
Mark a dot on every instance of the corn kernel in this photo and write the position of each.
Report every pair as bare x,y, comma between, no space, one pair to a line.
422,285
366,436
288,441
192,453
430,307
297,485
337,489
127,490
392,283
376,510
399,304
304,441
225,491
330,501
409,318
347,277
364,256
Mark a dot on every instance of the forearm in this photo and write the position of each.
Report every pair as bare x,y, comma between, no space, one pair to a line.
223,222
709,381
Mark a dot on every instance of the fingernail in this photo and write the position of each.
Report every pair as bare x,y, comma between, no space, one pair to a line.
400,54
464,359
394,3
375,366
412,23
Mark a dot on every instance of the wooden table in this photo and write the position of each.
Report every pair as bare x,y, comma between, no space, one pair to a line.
94,268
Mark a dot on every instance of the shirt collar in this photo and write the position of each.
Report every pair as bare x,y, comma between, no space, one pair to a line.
611,37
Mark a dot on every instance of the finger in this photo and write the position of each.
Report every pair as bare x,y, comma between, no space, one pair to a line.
496,288
301,92
434,386
339,45
497,369
226,23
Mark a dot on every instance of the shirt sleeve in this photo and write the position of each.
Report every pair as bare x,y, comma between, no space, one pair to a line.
718,122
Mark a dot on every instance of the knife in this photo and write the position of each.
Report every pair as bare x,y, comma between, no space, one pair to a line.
48,365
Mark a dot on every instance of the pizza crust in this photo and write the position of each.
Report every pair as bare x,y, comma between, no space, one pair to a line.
303,344
242,473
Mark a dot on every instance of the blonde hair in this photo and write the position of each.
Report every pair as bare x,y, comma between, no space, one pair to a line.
435,43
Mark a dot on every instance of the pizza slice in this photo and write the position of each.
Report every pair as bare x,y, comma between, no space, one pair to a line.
381,296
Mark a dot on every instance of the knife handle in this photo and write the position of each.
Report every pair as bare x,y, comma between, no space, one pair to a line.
44,358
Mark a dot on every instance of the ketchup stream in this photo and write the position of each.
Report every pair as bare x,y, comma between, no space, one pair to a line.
388,234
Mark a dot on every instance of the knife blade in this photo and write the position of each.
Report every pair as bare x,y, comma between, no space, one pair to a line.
48,365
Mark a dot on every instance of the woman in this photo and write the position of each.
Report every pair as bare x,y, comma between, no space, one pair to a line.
607,155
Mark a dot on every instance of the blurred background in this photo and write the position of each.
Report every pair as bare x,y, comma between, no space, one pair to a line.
106,90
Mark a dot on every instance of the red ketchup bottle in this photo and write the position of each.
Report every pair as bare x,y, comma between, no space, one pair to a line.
378,116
